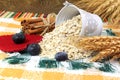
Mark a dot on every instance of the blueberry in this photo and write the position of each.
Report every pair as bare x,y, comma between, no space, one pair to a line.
18,38
34,49
61,56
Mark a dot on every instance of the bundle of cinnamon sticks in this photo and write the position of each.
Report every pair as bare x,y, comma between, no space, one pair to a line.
39,25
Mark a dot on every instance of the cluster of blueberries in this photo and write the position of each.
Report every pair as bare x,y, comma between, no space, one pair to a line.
35,49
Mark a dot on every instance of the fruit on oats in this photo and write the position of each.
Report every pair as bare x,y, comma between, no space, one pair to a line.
61,56
59,39
18,38
34,49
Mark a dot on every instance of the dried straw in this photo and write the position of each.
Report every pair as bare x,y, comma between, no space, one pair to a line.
106,9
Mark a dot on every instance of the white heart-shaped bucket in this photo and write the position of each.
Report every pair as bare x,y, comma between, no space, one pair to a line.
91,23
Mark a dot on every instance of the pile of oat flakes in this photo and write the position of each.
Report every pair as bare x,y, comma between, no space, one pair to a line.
59,39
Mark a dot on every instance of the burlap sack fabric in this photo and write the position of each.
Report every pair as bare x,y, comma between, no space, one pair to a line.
43,6
106,9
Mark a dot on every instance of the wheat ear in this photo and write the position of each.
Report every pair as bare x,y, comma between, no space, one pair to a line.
89,40
105,53
98,46
103,6
110,10
116,57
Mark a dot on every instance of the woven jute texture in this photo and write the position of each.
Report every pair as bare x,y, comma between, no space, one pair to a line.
43,6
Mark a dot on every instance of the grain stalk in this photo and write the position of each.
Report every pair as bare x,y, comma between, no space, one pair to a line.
107,9
117,56
105,53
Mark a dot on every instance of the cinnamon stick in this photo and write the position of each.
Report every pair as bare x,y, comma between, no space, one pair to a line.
39,30
31,21
36,24
42,29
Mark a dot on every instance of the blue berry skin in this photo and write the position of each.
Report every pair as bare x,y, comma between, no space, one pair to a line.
34,49
61,56
18,38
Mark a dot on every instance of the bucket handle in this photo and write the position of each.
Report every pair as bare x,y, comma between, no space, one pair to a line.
66,3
